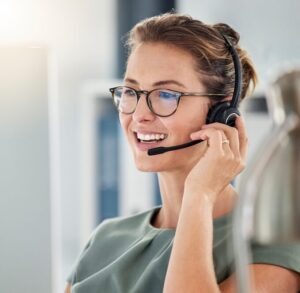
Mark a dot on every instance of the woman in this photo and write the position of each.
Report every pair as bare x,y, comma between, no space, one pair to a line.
184,245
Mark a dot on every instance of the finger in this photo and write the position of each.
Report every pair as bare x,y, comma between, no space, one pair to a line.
226,143
231,133
213,136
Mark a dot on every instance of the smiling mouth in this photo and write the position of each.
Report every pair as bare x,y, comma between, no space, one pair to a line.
150,137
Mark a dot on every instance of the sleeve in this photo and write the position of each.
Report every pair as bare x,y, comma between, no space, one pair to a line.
283,255
71,279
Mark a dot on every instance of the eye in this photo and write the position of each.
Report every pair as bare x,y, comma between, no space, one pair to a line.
168,95
128,92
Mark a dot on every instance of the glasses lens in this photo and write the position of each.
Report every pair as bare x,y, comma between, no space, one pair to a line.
125,99
164,102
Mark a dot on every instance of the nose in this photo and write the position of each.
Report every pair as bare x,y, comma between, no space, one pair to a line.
142,112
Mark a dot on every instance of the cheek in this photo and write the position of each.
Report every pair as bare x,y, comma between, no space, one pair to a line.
198,112
124,121
188,119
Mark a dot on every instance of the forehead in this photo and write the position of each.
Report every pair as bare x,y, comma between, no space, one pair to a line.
151,62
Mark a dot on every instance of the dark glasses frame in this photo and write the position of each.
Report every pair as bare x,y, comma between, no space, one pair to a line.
147,94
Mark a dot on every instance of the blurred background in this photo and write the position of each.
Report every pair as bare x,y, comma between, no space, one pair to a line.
64,164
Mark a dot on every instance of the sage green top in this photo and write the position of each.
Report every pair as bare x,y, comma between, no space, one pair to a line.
129,255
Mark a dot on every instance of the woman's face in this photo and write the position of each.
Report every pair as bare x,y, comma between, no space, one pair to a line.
160,66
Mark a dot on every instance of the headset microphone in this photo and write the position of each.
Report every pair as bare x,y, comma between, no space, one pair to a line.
161,150
223,112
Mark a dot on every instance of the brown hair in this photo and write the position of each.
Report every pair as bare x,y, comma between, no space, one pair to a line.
205,43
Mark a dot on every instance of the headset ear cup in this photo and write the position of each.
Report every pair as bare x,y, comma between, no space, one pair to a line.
230,116
216,112
222,113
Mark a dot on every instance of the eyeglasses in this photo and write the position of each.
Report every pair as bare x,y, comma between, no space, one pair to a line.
161,102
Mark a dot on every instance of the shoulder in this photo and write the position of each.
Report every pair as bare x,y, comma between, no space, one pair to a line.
124,225
267,278
110,239
283,255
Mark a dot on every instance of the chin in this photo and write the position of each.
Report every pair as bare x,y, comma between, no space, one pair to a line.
148,165
158,163
147,169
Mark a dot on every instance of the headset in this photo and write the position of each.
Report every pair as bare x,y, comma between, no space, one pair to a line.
225,112
222,112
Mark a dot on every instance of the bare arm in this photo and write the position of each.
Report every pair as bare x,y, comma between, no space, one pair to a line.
191,265
191,262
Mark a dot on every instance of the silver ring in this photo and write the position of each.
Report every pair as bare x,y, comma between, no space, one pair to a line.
224,141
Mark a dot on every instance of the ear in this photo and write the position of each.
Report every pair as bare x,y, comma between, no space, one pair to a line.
227,99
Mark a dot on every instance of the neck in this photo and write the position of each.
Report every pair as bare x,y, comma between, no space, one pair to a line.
171,190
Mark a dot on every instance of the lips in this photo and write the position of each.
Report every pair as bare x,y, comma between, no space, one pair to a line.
145,141
150,137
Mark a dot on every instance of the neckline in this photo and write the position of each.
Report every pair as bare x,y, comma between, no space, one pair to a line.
217,221
153,212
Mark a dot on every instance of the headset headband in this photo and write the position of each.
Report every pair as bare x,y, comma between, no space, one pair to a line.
237,73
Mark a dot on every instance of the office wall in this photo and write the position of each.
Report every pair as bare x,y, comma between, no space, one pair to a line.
81,35
268,29
25,223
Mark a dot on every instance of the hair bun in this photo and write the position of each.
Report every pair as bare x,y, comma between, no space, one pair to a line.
228,31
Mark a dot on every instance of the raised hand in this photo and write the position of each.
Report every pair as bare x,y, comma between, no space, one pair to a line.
223,160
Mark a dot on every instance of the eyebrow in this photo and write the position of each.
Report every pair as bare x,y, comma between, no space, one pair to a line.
158,83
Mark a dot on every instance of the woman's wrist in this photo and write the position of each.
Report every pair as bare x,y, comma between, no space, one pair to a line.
201,199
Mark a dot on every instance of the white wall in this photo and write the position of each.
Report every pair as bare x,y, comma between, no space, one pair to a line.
25,222
81,35
269,29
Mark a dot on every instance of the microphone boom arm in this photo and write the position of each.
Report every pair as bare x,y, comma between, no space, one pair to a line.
161,150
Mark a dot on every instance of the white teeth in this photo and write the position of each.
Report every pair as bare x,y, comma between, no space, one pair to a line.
152,136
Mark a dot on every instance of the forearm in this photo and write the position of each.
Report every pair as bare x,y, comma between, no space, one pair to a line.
191,263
